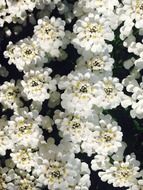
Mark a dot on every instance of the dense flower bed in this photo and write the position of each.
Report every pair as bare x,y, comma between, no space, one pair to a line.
71,94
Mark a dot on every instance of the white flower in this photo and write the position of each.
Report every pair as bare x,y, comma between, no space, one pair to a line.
74,128
36,160
59,169
25,54
122,173
109,93
23,128
91,31
37,84
106,137
10,94
79,93
49,34
100,65
24,159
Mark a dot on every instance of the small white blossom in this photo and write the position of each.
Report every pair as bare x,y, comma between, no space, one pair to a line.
122,173
109,93
106,137
100,65
25,54
23,128
24,159
74,128
10,95
37,84
91,31
59,168
49,34
79,93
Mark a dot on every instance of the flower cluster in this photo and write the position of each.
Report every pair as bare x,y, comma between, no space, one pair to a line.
66,81
17,10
